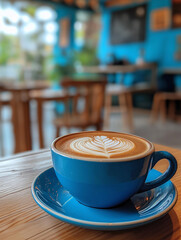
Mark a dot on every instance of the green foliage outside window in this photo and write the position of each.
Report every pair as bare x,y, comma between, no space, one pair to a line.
8,49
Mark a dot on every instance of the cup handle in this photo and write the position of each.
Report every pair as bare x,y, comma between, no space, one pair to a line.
167,175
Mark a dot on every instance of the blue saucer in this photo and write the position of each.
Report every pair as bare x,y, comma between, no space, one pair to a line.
142,208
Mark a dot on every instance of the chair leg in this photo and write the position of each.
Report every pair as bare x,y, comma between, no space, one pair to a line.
40,122
57,132
171,110
163,110
155,107
99,126
124,109
107,110
129,111
1,133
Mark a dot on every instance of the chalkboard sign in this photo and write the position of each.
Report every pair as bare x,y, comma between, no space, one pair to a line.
128,25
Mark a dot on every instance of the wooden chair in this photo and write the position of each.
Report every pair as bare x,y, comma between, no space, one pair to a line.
91,95
159,106
125,102
41,97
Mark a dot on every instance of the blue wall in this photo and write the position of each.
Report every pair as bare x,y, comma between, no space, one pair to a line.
159,46
61,55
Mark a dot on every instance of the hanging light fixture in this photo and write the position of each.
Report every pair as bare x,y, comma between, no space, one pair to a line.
94,4
81,3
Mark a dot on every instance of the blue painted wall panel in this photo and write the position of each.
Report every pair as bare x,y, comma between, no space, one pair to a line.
159,46
61,55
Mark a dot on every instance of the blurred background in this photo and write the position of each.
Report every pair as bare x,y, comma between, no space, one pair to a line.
73,65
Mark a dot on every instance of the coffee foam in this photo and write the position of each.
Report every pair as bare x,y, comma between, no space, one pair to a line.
103,145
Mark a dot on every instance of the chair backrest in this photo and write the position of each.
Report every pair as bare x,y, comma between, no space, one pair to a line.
92,92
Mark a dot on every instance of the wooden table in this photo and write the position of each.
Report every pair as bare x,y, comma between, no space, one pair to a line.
129,68
172,71
21,119
21,218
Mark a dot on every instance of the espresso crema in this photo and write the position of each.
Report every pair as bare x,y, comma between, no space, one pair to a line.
100,144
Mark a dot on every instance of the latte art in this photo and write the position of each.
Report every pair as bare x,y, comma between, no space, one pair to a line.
101,146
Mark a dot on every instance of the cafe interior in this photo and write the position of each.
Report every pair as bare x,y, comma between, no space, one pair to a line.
71,67
78,65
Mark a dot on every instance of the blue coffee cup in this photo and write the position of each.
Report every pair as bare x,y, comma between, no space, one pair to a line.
110,182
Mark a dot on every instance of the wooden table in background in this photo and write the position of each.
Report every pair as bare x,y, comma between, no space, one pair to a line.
123,69
173,71
21,218
21,119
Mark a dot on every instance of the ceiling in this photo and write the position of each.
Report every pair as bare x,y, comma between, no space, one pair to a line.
92,5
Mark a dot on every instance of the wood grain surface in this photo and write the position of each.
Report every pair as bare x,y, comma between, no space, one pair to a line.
22,218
